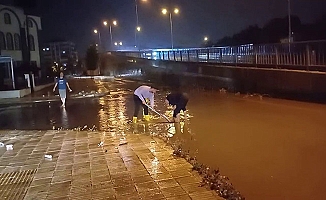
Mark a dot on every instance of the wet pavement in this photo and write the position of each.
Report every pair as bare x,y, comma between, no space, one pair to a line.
93,165
269,148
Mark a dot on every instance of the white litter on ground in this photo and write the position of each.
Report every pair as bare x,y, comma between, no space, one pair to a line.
49,157
9,147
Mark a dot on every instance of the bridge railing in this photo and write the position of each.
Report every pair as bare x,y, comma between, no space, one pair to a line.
309,55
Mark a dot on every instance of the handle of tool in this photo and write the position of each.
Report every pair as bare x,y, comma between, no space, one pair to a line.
167,119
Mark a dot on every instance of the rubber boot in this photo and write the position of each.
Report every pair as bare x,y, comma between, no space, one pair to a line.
146,117
177,119
134,120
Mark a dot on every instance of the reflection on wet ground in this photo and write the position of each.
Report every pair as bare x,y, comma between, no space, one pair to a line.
270,149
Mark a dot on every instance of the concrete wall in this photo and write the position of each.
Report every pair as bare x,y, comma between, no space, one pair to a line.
14,93
21,93
293,84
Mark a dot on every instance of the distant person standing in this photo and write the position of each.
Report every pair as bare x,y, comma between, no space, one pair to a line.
140,95
179,100
62,86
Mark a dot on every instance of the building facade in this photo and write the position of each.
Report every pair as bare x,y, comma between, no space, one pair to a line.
19,35
62,53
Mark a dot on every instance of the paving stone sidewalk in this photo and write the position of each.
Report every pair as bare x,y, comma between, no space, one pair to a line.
82,168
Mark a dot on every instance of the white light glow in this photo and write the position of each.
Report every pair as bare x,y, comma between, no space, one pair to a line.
164,11
176,11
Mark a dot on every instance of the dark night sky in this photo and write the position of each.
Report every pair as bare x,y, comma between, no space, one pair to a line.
75,19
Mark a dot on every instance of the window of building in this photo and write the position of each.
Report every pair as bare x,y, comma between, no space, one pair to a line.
17,41
18,63
34,63
2,41
31,43
10,42
7,18
30,23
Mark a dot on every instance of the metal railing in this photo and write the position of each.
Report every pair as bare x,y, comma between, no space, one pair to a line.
310,55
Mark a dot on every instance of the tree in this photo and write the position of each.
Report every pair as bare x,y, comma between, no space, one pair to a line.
92,58
249,35
272,32
208,44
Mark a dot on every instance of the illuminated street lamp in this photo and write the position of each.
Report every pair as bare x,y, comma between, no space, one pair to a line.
164,11
206,39
99,36
175,11
114,23
118,43
137,20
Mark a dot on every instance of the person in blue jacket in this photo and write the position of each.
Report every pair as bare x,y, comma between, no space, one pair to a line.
62,86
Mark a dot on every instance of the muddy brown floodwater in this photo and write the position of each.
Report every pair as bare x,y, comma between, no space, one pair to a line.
269,148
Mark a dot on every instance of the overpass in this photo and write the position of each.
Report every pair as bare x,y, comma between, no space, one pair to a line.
295,71
309,56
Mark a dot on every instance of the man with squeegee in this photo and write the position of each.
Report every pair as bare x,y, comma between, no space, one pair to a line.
140,95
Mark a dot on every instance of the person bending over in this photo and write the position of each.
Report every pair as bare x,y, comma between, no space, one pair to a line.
179,100
140,95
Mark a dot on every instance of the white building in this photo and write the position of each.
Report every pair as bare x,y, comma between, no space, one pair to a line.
19,39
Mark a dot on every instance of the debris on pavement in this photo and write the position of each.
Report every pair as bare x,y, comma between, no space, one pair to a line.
123,141
47,156
9,147
101,144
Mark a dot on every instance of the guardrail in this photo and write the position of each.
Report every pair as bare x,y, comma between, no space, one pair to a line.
309,55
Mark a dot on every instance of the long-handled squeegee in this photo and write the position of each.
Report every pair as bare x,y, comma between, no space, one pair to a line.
152,109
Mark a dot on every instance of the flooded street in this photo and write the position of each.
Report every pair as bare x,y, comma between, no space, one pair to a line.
269,148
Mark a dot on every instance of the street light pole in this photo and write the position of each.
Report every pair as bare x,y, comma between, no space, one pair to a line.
289,15
137,22
176,11
99,38
171,27
111,42
114,23
99,47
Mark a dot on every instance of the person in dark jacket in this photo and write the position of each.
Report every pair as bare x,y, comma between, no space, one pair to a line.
179,101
